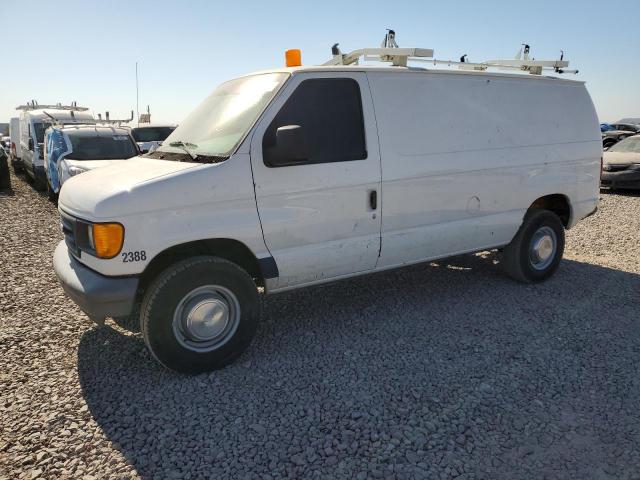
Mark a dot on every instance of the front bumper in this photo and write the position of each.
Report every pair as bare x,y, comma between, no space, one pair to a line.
629,178
97,295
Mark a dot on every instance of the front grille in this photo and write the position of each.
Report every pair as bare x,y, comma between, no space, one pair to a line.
69,224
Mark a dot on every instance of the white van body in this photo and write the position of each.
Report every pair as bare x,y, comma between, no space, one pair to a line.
33,124
453,163
15,152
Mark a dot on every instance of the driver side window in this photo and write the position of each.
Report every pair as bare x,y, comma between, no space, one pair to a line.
329,112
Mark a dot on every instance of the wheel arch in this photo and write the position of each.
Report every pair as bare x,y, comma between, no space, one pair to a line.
557,203
227,248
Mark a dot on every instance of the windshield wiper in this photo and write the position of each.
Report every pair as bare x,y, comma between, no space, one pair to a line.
185,146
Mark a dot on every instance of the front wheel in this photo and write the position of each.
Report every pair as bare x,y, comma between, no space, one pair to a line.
535,252
200,314
39,180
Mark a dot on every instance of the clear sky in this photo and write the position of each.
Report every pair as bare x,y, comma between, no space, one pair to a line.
85,50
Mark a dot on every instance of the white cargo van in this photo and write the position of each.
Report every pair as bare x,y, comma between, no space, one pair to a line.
74,149
34,120
298,176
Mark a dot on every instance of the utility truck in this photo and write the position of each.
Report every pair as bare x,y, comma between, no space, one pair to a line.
71,147
297,176
74,149
34,121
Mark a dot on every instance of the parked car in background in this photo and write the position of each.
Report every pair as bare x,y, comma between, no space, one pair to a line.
15,150
626,127
611,136
34,120
621,164
150,136
71,150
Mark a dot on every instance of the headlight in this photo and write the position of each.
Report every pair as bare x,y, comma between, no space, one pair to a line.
73,170
103,240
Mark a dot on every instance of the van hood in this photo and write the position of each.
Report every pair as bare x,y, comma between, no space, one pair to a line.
620,158
91,164
92,194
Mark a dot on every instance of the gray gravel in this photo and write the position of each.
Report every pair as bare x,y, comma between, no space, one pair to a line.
437,371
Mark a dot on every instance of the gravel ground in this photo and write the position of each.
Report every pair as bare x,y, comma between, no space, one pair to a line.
437,371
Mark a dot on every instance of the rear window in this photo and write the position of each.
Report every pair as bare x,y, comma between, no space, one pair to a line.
151,134
110,147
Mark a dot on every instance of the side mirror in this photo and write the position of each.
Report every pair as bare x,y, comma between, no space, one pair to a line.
291,146
31,144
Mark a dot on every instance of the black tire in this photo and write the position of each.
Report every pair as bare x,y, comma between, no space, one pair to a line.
39,184
166,294
517,258
5,174
51,195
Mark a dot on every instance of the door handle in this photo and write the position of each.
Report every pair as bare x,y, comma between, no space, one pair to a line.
373,199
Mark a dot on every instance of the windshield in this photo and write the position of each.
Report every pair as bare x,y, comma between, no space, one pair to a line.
219,123
39,129
110,147
630,144
151,134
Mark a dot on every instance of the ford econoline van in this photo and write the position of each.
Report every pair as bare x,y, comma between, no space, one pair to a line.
298,176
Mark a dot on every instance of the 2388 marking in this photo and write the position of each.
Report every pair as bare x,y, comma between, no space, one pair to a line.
134,256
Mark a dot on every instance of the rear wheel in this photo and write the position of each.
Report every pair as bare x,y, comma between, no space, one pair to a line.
5,177
200,314
535,252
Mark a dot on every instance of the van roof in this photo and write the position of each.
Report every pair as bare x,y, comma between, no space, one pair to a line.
58,114
93,130
411,69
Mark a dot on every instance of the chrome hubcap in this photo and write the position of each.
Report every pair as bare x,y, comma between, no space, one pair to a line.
543,248
206,318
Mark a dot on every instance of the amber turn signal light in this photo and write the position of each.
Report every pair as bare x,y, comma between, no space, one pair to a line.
107,239
293,57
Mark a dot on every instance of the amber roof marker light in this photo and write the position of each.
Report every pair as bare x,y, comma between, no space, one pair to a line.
293,57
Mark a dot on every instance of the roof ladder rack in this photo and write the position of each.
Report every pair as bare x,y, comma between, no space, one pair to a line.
399,57
33,105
